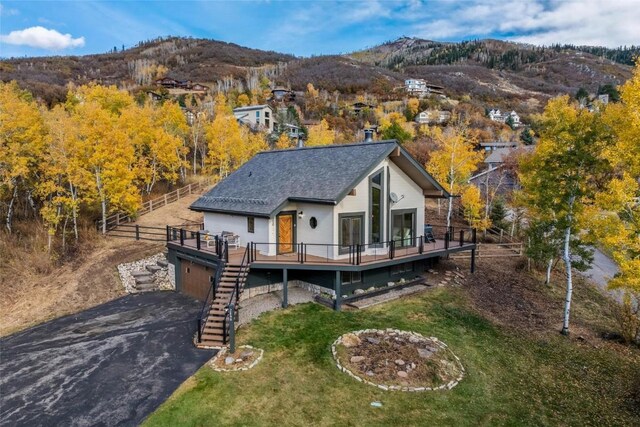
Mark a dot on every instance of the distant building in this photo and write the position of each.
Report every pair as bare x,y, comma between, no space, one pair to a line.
421,88
359,106
258,117
498,116
433,117
170,83
282,94
494,145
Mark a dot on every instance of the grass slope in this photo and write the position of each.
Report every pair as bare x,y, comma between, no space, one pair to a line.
513,378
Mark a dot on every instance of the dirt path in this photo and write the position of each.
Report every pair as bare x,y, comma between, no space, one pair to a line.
176,213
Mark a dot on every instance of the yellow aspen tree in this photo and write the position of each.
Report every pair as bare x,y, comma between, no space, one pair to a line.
223,137
453,161
614,218
108,154
283,142
243,100
22,142
413,104
320,134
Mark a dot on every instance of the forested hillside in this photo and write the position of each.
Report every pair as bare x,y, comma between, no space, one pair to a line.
489,69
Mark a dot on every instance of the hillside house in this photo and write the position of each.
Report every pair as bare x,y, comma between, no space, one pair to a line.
332,219
257,117
497,116
494,145
433,117
421,88
282,94
357,107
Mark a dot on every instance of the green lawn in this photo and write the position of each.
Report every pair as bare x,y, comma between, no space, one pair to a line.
512,378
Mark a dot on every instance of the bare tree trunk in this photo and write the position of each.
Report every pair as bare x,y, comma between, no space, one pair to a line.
9,218
74,210
449,210
549,267
64,234
567,262
103,202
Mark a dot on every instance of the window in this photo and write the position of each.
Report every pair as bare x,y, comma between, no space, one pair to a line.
403,228
351,231
375,188
349,277
251,224
266,114
401,268
266,122
313,222
257,114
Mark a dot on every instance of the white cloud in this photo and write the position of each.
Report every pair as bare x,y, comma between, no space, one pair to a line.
593,22
42,38
8,12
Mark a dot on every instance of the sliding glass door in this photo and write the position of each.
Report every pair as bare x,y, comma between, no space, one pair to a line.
403,227
351,231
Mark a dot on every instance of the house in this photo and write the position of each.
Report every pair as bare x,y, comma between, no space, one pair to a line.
293,131
258,117
357,107
493,145
433,117
333,219
498,177
199,88
421,88
497,116
282,94
167,82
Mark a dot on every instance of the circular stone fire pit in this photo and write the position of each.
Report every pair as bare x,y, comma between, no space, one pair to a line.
391,359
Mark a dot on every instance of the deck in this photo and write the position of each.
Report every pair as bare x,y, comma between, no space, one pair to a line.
324,256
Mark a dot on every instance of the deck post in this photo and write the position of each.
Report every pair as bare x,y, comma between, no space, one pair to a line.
181,237
137,232
198,240
338,290
285,288
461,237
168,234
232,329
446,240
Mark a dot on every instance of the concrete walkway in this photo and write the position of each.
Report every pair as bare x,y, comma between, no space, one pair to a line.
110,365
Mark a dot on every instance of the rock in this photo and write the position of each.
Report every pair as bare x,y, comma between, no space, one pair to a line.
426,353
239,360
373,288
402,374
448,273
144,280
391,284
246,354
162,263
372,340
399,362
357,359
414,340
413,365
351,340
376,404
146,286
369,373
432,271
381,333
358,292
402,281
229,360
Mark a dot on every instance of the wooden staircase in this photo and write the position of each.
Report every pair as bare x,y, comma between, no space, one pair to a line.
215,330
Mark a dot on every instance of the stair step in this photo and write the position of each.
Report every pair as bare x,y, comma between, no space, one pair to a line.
163,263
139,273
153,268
145,280
145,286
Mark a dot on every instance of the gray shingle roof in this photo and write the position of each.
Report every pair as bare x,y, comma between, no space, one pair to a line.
314,174
269,179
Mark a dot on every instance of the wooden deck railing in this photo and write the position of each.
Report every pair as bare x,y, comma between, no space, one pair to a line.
117,219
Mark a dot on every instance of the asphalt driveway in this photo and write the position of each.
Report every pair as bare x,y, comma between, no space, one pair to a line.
111,365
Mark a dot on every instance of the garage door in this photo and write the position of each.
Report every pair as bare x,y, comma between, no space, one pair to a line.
196,279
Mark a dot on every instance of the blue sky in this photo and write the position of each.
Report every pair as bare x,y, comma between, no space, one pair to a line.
305,28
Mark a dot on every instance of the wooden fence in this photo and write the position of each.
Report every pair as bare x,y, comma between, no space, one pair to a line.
494,250
118,219
154,234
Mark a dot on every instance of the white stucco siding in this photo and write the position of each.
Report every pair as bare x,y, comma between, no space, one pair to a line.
317,238
218,222
413,194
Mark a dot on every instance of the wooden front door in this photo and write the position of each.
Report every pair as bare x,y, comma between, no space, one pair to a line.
285,233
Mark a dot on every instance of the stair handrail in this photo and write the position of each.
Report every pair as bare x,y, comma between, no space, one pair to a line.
231,308
206,305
